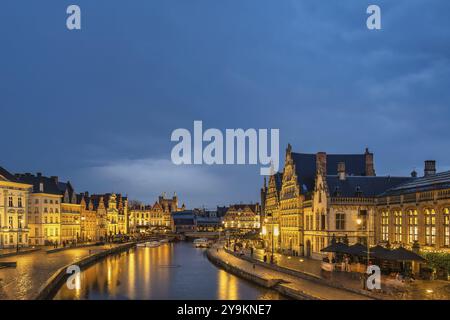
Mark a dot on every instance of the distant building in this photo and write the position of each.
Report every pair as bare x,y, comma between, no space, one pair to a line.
153,217
243,217
183,221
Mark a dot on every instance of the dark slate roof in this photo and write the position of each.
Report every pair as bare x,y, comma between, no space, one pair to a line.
437,181
278,180
305,167
7,175
50,184
362,186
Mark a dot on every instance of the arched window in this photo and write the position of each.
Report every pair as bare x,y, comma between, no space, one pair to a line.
413,234
430,227
398,226
447,227
385,226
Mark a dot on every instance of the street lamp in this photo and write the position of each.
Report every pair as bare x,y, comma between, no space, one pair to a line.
359,223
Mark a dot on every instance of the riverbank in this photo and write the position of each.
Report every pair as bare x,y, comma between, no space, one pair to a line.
51,286
286,284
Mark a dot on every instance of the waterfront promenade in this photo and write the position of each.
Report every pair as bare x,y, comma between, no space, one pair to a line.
34,269
286,282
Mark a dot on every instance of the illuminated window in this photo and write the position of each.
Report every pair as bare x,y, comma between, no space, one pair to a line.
430,227
340,221
413,234
447,227
398,226
19,204
385,226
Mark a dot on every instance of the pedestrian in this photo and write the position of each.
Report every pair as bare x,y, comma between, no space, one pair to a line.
265,258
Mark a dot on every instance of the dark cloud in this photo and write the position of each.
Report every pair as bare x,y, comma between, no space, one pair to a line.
87,105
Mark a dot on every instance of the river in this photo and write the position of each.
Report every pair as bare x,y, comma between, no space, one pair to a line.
172,271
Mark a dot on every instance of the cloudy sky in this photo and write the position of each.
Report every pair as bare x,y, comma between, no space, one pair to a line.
98,106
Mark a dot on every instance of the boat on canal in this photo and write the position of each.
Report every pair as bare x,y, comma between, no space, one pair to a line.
201,243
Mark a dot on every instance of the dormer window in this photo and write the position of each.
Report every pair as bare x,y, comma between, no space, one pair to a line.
336,192
358,191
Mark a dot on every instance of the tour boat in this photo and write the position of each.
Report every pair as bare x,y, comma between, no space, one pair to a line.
152,244
149,244
201,243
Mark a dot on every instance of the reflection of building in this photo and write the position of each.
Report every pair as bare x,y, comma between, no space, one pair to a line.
143,217
14,209
243,217
44,215
323,195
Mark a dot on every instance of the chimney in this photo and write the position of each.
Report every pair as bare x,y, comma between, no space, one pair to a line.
414,174
370,170
55,179
41,187
341,170
38,174
430,168
321,163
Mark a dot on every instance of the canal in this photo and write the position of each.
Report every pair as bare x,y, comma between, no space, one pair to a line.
171,271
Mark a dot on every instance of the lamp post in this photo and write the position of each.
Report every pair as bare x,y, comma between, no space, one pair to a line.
359,222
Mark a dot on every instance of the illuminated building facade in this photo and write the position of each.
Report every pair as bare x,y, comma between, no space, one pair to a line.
322,196
243,217
153,217
14,209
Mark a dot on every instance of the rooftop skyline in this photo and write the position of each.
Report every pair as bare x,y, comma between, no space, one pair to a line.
97,106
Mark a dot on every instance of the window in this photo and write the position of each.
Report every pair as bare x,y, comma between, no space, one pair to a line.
340,221
398,219
19,202
413,234
430,227
36,210
45,210
56,210
447,227
385,226
36,201
10,201
10,222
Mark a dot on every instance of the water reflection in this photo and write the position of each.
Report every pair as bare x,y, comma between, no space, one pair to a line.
171,271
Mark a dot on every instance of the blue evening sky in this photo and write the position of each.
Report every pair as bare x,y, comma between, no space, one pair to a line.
97,106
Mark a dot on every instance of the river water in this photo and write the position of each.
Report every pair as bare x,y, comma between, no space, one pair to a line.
172,271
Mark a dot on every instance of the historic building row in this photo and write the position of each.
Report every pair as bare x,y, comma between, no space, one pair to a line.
318,196
153,217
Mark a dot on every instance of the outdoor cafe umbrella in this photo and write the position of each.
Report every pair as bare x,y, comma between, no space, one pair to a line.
357,249
402,254
337,247
380,252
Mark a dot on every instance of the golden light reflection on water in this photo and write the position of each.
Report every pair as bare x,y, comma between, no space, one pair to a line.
171,271
227,288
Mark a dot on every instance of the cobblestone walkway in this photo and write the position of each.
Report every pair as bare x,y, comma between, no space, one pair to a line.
312,288
33,270
419,290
